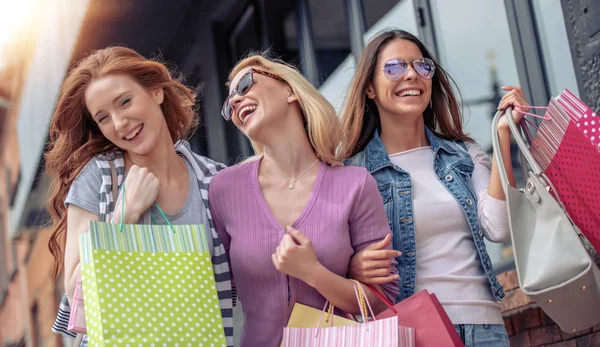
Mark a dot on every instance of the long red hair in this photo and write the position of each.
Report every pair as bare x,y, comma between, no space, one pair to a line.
75,138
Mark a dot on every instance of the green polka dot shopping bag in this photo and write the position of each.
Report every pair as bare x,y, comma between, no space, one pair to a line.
149,285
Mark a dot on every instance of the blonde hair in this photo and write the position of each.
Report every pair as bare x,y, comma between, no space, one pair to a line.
322,125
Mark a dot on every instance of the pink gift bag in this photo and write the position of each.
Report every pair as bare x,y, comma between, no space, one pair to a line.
375,333
77,316
567,147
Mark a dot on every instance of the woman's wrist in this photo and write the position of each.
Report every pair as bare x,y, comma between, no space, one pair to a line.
315,275
503,131
130,216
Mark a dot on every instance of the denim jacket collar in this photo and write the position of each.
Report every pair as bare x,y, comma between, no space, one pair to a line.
376,156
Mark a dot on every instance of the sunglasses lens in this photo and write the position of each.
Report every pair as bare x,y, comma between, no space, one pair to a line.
226,110
394,69
424,67
245,84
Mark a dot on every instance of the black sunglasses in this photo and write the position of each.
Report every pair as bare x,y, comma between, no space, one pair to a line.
396,68
243,86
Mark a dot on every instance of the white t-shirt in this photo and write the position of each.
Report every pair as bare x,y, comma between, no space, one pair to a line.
447,260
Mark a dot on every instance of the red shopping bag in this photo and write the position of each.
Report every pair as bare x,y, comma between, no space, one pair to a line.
425,314
567,148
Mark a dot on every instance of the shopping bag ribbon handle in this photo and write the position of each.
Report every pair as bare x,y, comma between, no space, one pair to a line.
123,211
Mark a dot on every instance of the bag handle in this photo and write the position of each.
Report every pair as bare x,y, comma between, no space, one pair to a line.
123,211
114,182
523,147
383,298
363,304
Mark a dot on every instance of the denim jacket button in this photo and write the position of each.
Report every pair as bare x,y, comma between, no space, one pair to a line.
448,178
480,232
469,202
405,220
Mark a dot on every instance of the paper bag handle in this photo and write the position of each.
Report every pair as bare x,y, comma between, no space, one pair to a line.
123,211
383,298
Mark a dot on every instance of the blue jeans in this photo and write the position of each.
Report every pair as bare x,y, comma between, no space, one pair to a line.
488,335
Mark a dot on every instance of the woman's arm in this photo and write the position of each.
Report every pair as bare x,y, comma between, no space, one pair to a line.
77,224
368,224
491,212
296,257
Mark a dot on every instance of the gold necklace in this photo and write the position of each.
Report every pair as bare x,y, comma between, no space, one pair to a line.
292,182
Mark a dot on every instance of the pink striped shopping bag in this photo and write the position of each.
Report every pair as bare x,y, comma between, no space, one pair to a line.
372,333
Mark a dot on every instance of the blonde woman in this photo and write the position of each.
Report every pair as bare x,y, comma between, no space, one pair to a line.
292,217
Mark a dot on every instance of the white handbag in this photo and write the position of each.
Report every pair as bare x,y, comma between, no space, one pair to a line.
553,266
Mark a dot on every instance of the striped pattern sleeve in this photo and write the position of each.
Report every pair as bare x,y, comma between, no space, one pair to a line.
205,170
62,319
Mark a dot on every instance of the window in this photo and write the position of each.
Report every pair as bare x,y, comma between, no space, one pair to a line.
330,36
375,10
552,33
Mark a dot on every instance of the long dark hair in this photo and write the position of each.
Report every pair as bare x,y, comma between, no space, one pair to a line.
360,116
75,138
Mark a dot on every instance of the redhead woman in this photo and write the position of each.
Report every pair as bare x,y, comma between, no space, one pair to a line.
118,109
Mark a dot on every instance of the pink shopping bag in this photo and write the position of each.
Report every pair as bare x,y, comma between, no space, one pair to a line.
77,316
375,333
567,148
424,313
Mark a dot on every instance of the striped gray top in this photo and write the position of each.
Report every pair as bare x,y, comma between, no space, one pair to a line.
204,169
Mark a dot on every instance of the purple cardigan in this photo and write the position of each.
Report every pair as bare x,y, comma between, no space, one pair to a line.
344,214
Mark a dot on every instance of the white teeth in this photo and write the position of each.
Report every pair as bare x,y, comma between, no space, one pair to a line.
137,131
244,112
411,92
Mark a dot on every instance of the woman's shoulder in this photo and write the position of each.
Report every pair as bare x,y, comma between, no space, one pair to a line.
349,176
231,174
351,170
92,169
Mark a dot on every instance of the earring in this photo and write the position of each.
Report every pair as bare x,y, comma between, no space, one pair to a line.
289,98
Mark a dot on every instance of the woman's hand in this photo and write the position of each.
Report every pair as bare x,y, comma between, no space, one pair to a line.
514,97
372,265
295,256
141,191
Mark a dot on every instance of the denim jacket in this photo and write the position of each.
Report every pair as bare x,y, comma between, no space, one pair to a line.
454,167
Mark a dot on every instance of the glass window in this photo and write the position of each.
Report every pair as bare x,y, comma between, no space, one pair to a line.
375,10
330,36
558,63
475,47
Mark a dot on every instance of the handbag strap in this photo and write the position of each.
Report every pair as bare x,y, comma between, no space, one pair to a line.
523,147
114,183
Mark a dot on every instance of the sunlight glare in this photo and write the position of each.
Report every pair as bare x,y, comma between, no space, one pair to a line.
13,15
